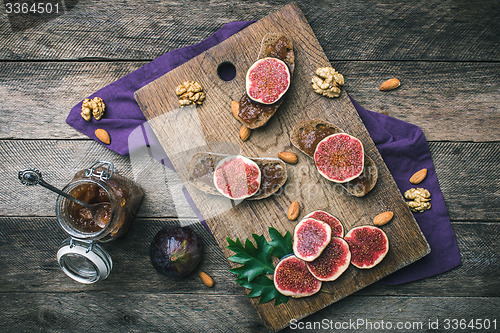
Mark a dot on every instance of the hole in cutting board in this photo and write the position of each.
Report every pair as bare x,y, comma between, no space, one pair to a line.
226,71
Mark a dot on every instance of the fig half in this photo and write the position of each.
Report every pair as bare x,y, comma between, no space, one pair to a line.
332,262
236,177
332,221
292,278
368,245
339,157
310,238
202,165
267,80
307,134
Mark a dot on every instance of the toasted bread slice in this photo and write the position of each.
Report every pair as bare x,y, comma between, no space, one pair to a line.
303,133
271,39
253,114
201,169
308,133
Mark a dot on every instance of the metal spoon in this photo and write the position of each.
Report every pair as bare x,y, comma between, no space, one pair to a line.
32,177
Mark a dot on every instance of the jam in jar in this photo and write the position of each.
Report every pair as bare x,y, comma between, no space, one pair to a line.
118,198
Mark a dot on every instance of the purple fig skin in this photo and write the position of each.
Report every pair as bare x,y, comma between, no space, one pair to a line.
176,252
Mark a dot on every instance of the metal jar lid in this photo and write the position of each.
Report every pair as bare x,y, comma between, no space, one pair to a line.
84,261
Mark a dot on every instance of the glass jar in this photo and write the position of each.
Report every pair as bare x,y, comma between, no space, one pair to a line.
80,256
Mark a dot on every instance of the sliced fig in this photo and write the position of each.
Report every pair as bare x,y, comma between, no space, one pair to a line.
236,177
339,157
332,221
308,133
254,114
310,238
368,245
292,278
201,169
332,262
267,80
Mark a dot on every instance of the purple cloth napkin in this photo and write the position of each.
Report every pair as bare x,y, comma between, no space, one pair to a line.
403,147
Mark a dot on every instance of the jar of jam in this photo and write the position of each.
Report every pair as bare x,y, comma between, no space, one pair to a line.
118,198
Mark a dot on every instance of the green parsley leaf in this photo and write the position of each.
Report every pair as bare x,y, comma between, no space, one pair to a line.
282,245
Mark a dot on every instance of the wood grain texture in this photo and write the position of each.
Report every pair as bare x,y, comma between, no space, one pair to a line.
445,53
463,184
171,312
212,123
388,30
60,160
28,247
432,95
464,188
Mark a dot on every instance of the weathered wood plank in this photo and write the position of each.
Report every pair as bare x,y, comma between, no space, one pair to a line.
170,312
392,30
28,249
60,160
412,313
448,101
465,189
434,96
463,183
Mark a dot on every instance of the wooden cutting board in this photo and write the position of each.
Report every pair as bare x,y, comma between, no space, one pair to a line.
212,127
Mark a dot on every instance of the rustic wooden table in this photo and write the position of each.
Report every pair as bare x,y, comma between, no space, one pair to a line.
446,54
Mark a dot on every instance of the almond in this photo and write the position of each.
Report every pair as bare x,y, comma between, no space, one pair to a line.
245,133
235,108
418,176
102,135
390,84
206,279
382,218
288,157
293,211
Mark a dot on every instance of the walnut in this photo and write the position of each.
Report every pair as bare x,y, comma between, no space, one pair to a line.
327,82
190,92
86,113
92,107
420,197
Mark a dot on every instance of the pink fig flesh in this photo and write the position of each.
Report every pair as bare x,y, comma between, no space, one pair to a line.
310,238
368,245
332,262
267,80
339,157
332,221
292,278
237,177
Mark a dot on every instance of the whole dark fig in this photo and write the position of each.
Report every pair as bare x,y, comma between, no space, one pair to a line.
175,252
